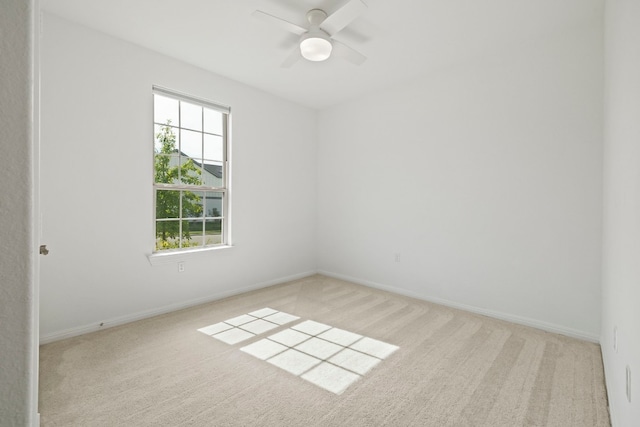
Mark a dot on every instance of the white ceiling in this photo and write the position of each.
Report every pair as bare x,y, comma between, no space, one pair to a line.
401,38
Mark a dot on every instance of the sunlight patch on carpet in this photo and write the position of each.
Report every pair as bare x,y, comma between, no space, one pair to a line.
241,328
327,357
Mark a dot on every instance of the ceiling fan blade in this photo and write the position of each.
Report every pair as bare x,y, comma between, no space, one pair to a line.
345,52
343,16
293,57
289,26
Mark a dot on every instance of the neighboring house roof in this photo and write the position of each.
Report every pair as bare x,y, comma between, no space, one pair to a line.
215,170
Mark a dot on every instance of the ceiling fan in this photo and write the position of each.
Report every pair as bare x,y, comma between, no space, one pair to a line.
317,42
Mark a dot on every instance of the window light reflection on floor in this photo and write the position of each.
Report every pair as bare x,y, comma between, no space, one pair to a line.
328,357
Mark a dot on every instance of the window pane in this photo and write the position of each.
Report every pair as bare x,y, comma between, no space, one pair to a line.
192,202
166,169
165,139
213,148
193,233
213,232
167,235
191,144
213,121
167,204
212,176
213,205
190,171
165,109
191,116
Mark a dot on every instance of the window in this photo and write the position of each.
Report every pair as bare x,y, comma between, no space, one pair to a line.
190,185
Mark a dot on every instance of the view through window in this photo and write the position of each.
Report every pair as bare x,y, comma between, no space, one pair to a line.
190,171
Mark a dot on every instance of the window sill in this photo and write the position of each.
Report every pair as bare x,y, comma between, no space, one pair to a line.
161,258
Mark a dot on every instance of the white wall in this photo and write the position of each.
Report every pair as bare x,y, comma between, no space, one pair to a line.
18,355
621,275
485,177
97,194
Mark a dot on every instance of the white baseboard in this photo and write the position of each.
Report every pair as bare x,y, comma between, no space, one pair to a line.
80,330
549,327
606,364
612,417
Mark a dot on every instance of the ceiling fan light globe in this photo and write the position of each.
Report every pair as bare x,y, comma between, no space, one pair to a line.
315,48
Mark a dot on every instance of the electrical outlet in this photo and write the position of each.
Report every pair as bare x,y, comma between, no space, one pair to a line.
615,339
180,267
397,257
628,383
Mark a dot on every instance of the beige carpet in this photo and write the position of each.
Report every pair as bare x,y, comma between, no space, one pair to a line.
452,368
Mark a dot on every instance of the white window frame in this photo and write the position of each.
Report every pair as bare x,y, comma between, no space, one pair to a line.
168,255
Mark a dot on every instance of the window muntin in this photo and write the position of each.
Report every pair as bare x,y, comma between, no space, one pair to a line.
190,172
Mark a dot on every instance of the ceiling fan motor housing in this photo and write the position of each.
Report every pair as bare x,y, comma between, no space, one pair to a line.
315,17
